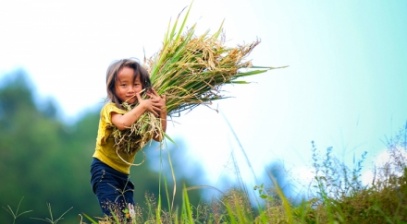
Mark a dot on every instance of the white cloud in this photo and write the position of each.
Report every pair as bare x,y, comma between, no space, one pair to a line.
386,162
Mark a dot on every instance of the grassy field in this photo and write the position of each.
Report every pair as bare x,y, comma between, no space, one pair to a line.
339,197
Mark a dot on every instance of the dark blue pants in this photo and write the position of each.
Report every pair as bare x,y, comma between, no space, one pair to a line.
113,189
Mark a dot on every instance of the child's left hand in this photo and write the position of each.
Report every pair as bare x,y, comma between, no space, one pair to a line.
158,100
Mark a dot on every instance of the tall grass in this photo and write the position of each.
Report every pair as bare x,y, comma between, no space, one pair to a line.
340,195
340,198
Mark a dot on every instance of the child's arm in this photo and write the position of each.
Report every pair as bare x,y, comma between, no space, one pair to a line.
123,121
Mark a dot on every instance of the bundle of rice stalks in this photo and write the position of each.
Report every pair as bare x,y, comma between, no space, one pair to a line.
189,70
141,132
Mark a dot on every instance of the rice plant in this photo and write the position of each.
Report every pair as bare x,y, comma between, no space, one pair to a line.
190,70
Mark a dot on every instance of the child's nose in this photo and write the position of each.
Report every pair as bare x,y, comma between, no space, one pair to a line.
132,89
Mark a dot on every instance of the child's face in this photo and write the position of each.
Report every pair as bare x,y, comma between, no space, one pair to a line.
127,86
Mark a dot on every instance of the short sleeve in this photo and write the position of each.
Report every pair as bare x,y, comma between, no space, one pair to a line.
106,113
105,124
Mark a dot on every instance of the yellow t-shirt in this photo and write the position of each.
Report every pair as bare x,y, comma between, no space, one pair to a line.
105,150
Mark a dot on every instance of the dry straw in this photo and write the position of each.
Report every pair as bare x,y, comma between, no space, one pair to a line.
189,70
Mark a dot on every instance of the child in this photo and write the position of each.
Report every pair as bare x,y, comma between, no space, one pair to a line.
125,80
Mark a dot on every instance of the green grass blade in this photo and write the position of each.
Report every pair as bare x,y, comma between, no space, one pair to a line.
90,218
187,207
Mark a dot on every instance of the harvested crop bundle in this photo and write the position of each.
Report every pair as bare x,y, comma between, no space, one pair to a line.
189,70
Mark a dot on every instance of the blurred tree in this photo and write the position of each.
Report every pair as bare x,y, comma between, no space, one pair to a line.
29,144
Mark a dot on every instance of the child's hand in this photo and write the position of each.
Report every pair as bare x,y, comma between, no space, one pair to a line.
147,104
158,100
154,104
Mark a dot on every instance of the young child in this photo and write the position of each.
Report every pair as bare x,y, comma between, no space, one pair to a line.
125,80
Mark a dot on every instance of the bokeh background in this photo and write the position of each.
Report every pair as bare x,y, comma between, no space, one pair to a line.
344,88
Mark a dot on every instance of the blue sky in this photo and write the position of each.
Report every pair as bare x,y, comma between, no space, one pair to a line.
345,84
